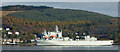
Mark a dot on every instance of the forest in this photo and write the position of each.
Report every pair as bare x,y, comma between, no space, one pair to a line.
31,20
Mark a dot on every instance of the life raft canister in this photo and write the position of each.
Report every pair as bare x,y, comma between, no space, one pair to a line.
46,37
53,36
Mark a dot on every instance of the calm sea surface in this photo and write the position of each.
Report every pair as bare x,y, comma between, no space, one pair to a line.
16,47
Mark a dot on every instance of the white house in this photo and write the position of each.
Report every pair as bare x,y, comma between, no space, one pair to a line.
0,28
7,29
17,33
9,32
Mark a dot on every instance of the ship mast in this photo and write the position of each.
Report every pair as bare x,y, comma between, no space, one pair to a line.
56,29
45,33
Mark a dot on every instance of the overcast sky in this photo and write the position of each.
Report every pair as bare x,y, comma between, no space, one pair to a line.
60,0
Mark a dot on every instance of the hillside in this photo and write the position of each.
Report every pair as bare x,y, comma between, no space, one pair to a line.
68,15
35,20
22,7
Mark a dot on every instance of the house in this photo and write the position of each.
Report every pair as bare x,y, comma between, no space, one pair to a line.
11,40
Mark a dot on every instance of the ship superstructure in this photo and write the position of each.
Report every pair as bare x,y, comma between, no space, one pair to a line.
56,38
52,35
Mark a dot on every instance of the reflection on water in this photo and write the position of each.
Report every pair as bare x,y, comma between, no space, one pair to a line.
9,47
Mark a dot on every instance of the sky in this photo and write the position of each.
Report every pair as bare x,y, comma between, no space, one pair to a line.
60,0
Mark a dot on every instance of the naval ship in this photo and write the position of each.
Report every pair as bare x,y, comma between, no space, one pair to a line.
56,38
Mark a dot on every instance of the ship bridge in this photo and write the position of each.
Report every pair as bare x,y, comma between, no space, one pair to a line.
53,35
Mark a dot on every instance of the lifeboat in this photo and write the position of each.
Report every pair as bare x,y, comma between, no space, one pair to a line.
46,37
53,36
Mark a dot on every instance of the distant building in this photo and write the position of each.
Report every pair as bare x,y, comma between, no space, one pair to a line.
17,33
32,40
0,28
9,32
7,29
10,40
